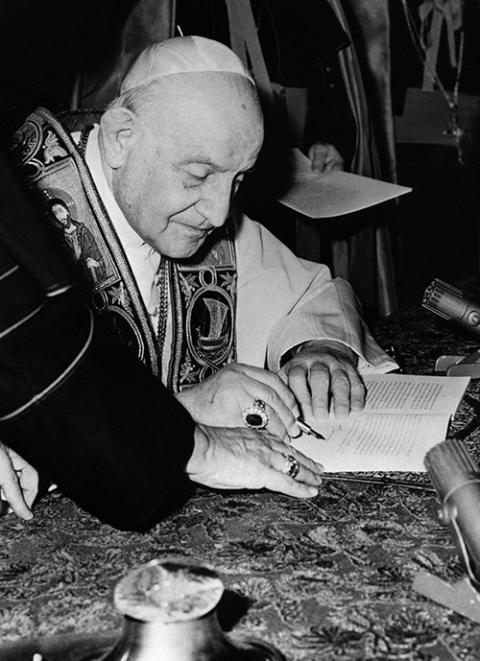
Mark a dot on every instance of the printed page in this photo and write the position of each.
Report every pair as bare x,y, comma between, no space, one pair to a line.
411,393
377,443
334,193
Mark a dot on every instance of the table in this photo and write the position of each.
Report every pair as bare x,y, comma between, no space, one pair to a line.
329,578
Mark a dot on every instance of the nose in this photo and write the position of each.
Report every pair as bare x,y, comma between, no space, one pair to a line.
215,202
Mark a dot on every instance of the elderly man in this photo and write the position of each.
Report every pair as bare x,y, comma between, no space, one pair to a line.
208,298
79,408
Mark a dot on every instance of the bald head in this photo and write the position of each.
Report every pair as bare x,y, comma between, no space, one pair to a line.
185,64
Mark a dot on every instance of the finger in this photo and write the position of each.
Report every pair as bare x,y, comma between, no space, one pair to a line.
298,384
29,485
26,475
277,417
313,466
333,163
276,457
340,392
273,391
319,379
276,425
14,496
306,464
282,414
308,471
333,160
274,382
275,480
357,392
318,155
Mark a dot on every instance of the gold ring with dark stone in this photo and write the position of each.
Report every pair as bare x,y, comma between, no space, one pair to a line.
255,416
291,466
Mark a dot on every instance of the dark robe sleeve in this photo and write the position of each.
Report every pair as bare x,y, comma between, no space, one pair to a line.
74,401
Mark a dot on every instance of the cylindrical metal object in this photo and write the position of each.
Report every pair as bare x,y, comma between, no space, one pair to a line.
170,615
452,304
456,479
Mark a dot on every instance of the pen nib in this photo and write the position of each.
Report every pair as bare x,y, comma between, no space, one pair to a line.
309,430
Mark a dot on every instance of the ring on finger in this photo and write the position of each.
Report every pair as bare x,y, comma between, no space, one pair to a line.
255,416
291,467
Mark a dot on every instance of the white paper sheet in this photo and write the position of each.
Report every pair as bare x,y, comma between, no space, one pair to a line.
414,393
332,194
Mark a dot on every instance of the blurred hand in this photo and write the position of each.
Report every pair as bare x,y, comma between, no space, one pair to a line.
325,157
322,375
246,459
18,482
220,400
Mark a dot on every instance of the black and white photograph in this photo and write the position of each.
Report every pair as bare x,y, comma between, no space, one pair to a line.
239,330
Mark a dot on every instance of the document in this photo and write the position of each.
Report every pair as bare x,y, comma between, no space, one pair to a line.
404,416
331,194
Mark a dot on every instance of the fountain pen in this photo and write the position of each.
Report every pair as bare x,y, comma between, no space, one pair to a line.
309,430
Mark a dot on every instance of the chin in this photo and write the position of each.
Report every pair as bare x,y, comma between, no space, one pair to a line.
182,252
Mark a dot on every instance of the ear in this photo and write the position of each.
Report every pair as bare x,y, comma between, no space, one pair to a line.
119,131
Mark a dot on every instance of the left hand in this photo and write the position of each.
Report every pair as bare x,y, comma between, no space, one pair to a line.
18,482
325,157
323,375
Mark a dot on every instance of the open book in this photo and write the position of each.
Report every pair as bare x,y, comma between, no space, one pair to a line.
405,415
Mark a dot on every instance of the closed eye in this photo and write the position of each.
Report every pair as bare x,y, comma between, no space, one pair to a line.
196,180
196,175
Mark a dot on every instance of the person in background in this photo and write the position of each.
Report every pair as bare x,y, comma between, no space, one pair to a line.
308,108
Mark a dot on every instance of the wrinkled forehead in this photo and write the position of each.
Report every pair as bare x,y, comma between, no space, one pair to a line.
227,90
206,117
218,100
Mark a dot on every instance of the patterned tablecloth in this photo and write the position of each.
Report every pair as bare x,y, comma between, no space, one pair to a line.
329,578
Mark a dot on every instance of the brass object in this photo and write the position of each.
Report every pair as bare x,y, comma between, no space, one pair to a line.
170,614
169,609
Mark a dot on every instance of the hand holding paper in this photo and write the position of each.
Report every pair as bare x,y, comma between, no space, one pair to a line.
333,193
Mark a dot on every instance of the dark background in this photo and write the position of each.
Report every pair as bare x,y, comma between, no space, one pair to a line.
45,44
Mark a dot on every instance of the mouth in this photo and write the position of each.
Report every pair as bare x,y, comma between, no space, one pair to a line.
195,232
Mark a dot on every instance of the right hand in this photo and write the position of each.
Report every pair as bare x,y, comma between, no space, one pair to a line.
325,158
246,459
220,400
18,482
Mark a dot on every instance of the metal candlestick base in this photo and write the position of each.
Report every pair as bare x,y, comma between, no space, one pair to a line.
169,610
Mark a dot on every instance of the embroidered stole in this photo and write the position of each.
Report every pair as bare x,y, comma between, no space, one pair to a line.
201,292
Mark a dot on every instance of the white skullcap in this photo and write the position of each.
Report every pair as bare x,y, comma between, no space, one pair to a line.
182,55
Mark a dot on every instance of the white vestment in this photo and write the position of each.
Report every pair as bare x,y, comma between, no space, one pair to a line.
281,300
